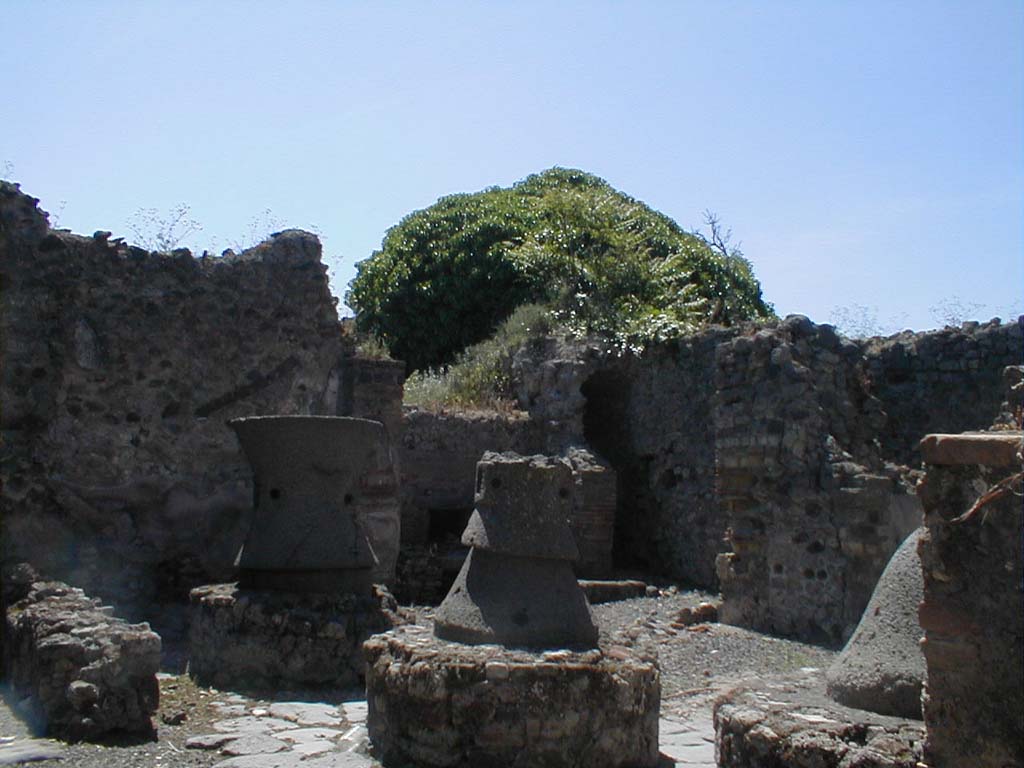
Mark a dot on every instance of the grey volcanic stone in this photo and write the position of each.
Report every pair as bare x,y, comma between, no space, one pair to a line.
882,669
515,601
516,587
522,507
311,476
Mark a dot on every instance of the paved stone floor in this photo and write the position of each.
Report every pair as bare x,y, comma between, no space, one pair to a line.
303,734
314,735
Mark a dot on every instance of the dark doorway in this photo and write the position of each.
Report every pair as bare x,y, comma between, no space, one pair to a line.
607,430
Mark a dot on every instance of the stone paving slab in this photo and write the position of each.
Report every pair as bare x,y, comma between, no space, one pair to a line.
252,724
209,740
272,738
278,760
341,760
306,713
29,751
355,711
254,744
312,741
689,742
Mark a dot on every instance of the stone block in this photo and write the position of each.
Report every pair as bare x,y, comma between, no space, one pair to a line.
86,672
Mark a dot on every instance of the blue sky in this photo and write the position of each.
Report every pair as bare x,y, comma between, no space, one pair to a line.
868,155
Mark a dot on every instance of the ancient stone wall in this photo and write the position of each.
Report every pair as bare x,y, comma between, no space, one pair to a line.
971,613
373,389
438,456
940,381
120,369
650,417
663,446
814,514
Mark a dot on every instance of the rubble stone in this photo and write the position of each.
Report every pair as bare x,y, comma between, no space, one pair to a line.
792,722
437,703
270,639
86,672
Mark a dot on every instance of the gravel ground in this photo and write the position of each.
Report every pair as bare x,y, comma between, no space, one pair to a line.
697,662
700,661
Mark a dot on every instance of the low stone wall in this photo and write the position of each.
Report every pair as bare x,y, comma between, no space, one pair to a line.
435,703
971,614
791,722
85,672
265,640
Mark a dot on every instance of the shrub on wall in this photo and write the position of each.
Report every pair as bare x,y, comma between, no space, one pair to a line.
602,262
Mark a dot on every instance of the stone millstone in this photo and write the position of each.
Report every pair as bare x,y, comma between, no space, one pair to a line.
522,507
517,602
308,471
882,669
517,587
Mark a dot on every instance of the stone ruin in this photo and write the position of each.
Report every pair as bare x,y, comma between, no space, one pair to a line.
78,671
305,599
774,461
931,677
512,674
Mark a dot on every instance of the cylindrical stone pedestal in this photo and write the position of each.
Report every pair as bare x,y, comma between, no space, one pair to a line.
321,485
251,639
437,703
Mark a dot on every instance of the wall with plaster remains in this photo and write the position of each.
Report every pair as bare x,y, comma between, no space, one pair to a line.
120,371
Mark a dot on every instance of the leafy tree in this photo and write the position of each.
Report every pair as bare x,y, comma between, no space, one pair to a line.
602,262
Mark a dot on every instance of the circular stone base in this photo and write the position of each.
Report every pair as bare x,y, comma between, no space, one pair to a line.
791,721
439,703
251,639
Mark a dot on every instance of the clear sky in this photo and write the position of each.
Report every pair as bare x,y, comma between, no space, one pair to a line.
868,155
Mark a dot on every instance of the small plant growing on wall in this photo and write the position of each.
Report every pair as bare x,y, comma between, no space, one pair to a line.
163,231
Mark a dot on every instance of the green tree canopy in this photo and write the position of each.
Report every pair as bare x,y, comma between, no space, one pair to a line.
604,263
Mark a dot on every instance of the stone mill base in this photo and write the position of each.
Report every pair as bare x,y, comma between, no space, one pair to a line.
791,721
256,639
438,703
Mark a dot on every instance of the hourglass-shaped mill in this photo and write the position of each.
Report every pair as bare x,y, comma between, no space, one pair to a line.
308,477
517,586
305,599
512,674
